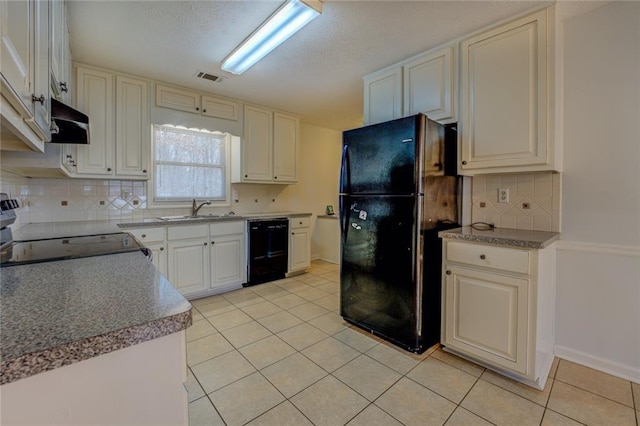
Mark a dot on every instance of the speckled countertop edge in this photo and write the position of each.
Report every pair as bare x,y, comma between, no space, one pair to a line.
46,325
154,222
49,359
503,237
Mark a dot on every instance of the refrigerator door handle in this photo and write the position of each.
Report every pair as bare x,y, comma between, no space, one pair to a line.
344,216
345,171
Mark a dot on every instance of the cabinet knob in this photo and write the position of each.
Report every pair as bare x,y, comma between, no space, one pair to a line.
275,177
204,110
300,223
246,176
213,242
144,235
205,244
161,248
448,272
197,108
108,169
464,163
293,233
36,99
483,257
144,171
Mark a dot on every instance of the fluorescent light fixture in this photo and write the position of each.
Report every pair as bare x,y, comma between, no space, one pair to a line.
285,22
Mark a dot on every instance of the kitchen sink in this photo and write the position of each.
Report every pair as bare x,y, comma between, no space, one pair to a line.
198,217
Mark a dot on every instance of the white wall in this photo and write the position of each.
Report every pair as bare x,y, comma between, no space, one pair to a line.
598,297
318,175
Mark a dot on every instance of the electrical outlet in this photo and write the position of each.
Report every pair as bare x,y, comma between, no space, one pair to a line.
503,195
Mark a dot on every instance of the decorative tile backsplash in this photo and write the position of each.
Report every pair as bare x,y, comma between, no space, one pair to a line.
534,201
64,200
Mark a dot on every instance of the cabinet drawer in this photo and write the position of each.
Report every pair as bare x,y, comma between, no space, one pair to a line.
184,232
299,222
226,228
505,259
148,235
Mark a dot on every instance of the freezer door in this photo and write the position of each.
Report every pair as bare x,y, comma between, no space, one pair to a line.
378,276
381,159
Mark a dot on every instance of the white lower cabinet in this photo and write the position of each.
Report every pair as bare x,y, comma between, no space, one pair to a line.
498,307
228,259
299,245
155,240
206,259
189,258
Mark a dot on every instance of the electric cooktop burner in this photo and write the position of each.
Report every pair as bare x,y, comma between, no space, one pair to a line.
24,252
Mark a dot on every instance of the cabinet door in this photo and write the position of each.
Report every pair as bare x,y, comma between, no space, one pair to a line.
285,148
504,96
179,99
95,98
383,96
220,108
299,249
17,53
41,121
486,316
58,29
132,127
159,253
188,264
257,149
228,266
429,85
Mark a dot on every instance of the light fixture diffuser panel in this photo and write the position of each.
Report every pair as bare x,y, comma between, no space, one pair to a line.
286,21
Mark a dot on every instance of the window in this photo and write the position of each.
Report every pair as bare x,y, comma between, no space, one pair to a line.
190,164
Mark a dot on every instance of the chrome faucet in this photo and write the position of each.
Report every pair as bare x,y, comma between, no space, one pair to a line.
195,208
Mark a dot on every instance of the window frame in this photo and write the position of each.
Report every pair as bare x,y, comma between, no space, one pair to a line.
151,196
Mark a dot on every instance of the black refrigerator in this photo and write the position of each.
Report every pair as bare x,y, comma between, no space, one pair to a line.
398,188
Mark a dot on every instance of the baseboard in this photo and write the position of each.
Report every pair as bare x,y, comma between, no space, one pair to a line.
625,372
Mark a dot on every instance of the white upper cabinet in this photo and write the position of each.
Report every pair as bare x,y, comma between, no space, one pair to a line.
257,149
429,85
425,83
188,101
132,126
285,148
119,125
383,96
507,97
269,149
94,97
60,51
25,72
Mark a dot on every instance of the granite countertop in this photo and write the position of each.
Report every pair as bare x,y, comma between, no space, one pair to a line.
57,313
182,220
503,237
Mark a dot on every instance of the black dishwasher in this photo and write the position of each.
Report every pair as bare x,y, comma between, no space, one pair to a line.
268,249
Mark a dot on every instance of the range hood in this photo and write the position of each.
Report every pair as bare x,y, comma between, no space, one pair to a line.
68,125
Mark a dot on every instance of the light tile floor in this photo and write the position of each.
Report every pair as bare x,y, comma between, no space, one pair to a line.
280,354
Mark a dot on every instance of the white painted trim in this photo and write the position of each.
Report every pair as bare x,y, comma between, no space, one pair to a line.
625,372
581,247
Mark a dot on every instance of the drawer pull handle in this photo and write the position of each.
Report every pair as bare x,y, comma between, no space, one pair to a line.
448,272
483,257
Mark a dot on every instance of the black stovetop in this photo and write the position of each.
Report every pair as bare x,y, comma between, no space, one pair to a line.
25,252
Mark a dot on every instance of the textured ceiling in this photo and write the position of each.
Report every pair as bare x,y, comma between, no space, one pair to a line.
316,74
